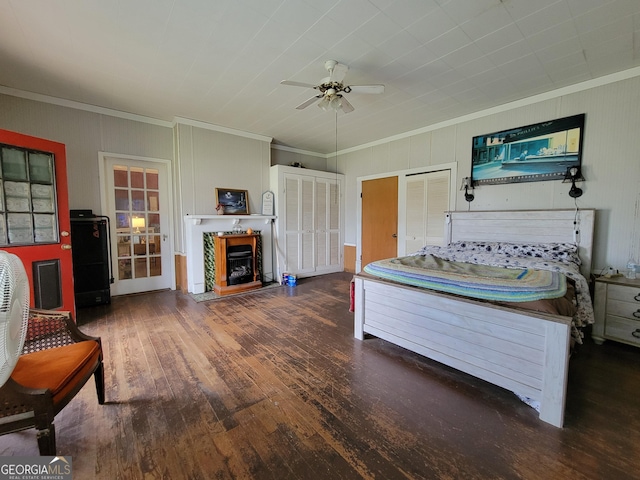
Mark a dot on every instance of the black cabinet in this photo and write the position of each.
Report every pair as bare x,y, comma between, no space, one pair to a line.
90,249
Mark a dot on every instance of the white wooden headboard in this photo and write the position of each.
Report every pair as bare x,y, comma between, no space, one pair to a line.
526,226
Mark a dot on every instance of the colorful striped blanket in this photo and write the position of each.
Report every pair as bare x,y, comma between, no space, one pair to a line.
471,280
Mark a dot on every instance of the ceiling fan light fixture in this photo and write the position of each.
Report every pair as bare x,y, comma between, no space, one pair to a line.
324,104
332,89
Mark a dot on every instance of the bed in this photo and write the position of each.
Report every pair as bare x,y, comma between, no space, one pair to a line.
524,351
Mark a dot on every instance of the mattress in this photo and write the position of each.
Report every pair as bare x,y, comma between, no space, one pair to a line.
552,257
484,282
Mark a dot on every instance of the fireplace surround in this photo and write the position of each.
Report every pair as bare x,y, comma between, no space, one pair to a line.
236,268
198,227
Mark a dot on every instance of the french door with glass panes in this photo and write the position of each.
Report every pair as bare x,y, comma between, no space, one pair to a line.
138,203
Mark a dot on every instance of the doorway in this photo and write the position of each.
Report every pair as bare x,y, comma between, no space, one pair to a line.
136,196
401,211
379,219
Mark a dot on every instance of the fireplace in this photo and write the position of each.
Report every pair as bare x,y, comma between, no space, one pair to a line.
239,264
236,269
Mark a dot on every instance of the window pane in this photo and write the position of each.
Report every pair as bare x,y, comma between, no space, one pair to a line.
20,228
137,177
152,179
124,246
154,244
120,177
42,198
155,266
45,228
122,220
122,199
41,168
124,269
3,234
139,248
154,223
14,164
141,267
154,203
137,200
17,197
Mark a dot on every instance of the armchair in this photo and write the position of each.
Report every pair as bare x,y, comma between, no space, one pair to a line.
56,361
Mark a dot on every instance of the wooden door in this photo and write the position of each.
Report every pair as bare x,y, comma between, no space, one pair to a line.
379,219
34,213
137,193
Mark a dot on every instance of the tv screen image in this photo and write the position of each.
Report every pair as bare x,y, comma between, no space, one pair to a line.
542,151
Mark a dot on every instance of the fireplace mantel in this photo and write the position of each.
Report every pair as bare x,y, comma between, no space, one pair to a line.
197,225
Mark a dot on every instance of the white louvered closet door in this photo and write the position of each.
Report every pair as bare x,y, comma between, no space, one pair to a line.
427,200
327,224
299,224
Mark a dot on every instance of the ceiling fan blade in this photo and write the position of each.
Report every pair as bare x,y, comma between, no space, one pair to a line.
338,73
367,88
346,106
297,84
308,102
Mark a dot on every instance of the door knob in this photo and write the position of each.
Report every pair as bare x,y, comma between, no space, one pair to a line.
65,246
395,235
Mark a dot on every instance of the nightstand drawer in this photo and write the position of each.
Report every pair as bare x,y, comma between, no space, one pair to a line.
623,309
627,331
624,293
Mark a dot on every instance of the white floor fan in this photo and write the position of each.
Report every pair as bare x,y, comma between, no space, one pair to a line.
14,312
332,89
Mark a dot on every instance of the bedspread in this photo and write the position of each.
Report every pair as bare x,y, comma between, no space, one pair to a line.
562,258
479,281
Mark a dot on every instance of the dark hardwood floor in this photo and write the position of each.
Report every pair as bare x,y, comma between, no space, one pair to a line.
273,385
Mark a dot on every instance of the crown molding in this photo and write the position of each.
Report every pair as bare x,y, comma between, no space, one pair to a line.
62,102
575,88
218,128
297,150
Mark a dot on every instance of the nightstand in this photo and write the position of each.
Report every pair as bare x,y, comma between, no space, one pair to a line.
617,310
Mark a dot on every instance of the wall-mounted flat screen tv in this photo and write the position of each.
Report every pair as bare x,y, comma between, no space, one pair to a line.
537,152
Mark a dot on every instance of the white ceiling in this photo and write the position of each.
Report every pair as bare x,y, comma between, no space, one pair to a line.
221,61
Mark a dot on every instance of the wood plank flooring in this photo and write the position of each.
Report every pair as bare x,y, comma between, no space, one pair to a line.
273,385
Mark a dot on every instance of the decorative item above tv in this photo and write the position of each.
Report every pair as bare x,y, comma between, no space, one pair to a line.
542,151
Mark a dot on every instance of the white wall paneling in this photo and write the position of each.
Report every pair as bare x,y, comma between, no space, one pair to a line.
611,165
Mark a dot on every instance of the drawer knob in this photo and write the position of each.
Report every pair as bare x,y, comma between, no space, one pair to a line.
636,333
636,313
637,298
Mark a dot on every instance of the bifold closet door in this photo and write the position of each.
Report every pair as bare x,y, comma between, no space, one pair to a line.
299,224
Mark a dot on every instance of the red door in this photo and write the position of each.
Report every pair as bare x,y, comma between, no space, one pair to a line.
38,207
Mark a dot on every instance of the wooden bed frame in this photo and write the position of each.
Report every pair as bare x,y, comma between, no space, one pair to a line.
525,352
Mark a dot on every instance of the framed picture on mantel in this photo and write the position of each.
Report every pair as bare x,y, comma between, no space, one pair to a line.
232,202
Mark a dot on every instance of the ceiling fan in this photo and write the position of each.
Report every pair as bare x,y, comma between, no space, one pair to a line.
332,89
